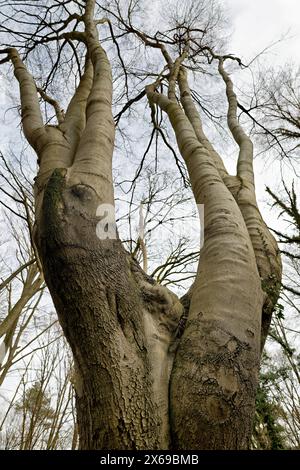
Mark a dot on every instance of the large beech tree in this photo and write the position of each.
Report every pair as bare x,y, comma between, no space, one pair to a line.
153,371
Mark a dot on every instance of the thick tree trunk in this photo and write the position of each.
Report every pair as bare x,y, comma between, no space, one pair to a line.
112,316
215,374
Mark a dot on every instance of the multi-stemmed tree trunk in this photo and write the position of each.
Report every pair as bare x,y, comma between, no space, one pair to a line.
142,382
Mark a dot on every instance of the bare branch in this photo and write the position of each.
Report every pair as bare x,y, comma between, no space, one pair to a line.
194,118
31,114
58,111
245,159
15,273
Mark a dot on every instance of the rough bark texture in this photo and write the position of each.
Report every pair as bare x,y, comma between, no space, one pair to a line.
119,324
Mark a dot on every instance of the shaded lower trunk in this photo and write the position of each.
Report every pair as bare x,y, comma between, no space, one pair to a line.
111,314
213,388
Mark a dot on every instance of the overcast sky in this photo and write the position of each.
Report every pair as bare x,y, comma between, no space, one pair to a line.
258,23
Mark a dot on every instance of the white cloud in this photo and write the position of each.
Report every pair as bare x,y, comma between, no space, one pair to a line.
258,23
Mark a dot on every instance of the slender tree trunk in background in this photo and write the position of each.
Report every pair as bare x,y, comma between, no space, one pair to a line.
32,284
139,385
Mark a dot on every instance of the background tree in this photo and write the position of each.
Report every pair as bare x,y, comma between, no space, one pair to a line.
41,414
22,285
268,431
